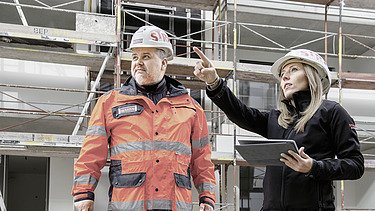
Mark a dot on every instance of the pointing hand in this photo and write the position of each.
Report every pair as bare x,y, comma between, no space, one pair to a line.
204,68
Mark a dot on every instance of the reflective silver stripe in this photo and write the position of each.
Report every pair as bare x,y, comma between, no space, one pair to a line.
206,187
134,206
151,145
85,180
96,131
184,206
152,204
159,204
200,143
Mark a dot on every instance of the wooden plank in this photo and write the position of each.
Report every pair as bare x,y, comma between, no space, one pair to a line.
192,83
351,80
177,67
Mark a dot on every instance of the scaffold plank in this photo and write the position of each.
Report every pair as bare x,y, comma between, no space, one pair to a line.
369,164
56,35
52,55
57,145
177,67
185,66
364,4
193,4
324,2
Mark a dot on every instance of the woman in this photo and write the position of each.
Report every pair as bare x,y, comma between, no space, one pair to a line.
324,132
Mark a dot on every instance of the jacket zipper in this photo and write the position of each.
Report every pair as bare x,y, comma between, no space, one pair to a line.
282,189
283,172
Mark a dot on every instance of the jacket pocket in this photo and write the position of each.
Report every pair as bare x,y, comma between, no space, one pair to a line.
326,196
129,180
182,181
119,180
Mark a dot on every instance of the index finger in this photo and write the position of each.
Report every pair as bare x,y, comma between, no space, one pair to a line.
201,55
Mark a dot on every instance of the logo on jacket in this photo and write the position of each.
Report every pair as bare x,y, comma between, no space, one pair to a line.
127,110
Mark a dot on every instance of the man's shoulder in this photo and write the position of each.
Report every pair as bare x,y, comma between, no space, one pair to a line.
109,94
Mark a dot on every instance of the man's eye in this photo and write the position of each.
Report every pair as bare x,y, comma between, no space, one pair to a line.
281,74
294,69
146,57
134,58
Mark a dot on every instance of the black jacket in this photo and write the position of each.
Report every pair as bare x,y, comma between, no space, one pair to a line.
329,139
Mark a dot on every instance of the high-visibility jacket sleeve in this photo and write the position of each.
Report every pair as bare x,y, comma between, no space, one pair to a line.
93,155
202,169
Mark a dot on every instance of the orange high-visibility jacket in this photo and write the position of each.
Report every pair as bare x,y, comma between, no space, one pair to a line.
154,149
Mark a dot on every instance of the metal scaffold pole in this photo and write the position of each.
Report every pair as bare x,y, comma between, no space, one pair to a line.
235,90
342,3
118,72
91,95
2,205
340,51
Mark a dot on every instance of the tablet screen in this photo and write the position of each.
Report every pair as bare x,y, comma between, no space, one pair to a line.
265,152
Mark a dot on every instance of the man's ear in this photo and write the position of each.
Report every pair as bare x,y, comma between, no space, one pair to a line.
164,64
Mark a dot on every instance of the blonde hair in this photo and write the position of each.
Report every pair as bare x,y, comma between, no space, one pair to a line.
316,91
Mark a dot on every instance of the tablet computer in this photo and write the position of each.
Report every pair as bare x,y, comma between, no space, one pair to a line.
263,152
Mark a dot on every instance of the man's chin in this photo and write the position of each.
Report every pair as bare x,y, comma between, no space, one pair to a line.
141,81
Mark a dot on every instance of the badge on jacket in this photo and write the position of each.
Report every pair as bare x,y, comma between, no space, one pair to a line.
127,110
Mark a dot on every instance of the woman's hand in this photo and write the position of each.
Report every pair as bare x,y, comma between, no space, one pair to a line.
204,68
300,162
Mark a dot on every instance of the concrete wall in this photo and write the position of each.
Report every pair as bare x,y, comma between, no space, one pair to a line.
357,102
358,194
29,73
43,74
60,184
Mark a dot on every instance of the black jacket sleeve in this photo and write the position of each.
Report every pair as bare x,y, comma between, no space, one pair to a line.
245,117
349,163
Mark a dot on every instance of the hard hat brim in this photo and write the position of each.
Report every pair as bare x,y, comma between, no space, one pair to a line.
169,54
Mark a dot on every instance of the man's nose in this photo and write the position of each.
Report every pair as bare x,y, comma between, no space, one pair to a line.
139,62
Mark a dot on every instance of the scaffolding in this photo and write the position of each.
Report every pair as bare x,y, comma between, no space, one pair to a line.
114,64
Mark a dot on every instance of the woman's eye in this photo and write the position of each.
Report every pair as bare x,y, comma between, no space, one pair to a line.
294,69
134,58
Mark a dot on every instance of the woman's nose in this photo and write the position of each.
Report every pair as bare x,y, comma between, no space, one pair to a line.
285,76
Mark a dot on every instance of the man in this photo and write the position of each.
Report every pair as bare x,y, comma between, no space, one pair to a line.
157,138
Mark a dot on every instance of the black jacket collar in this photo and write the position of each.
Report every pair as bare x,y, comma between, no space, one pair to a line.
301,101
173,87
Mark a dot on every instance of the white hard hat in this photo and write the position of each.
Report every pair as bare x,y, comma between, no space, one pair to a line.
152,37
307,57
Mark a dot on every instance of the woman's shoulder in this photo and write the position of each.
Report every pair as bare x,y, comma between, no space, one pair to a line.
329,104
333,106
